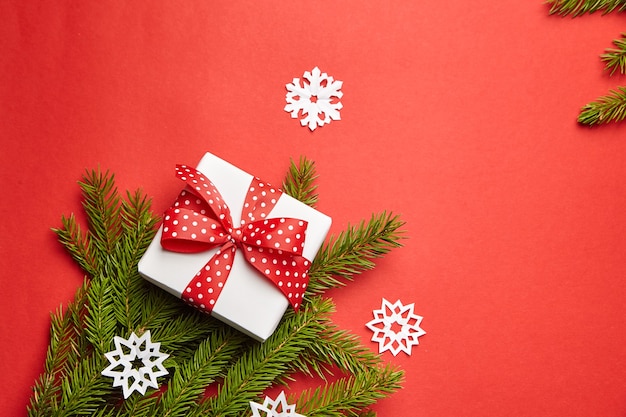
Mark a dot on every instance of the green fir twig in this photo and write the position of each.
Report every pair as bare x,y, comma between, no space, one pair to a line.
609,108
615,58
354,251
265,362
579,7
101,202
300,181
335,348
349,396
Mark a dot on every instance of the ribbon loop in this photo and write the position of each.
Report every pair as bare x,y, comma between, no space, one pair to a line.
200,220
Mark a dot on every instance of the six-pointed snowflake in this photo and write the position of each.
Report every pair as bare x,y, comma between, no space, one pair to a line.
274,408
135,364
317,98
395,327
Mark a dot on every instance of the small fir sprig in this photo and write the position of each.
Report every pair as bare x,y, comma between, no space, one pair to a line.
615,58
609,108
300,181
354,251
580,7
115,300
350,396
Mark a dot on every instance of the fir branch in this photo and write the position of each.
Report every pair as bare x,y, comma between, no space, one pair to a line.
65,336
264,362
77,243
299,181
615,58
100,323
77,311
209,362
335,347
353,252
102,205
62,356
47,390
139,222
351,395
183,329
84,389
609,108
138,226
126,288
579,7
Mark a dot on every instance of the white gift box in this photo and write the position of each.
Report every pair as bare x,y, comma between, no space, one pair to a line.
248,301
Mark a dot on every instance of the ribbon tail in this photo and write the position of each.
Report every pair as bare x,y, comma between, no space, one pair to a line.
204,289
288,272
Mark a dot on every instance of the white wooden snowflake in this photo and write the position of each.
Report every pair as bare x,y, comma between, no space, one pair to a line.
135,364
274,408
395,327
316,98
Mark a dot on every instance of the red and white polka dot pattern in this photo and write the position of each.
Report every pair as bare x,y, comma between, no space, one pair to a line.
200,220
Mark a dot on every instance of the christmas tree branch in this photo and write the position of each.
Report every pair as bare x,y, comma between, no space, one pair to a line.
300,181
208,363
264,362
184,331
615,58
47,389
77,243
351,395
609,108
102,205
353,252
100,322
580,7
138,226
84,389
335,347
63,354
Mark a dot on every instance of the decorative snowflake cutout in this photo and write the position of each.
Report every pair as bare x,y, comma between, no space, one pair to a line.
395,327
135,364
317,98
274,408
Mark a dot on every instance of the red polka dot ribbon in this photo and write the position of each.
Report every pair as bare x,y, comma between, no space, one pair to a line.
200,221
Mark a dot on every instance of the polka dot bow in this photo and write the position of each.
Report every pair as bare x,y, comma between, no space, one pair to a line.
200,221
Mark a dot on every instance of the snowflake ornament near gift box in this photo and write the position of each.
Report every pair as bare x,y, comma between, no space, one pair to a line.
235,247
316,98
396,328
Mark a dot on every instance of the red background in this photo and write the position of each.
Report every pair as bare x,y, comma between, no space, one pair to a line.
458,116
